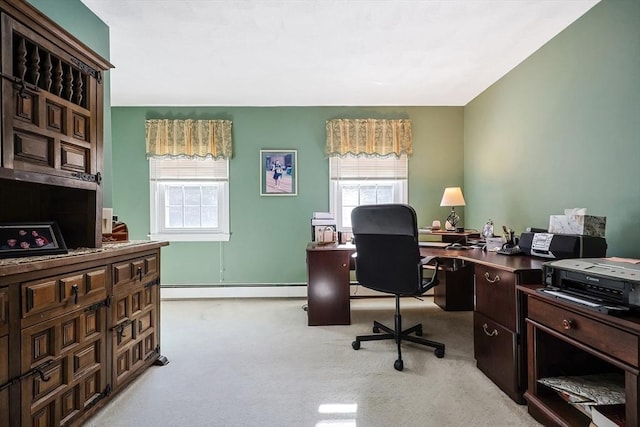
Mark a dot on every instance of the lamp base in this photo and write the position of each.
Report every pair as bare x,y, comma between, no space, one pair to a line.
452,220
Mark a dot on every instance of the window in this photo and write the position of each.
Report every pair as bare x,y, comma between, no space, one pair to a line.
189,199
365,181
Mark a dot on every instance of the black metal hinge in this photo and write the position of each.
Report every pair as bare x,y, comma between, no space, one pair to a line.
154,282
105,303
97,178
23,84
153,353
87,69
106,392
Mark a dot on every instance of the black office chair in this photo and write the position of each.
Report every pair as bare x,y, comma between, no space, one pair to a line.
388,260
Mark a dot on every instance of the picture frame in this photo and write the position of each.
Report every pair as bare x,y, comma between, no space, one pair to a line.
30,239
278,172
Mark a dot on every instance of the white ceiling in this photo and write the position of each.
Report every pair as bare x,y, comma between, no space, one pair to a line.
321,52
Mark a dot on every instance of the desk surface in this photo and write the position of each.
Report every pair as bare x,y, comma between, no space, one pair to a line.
511,263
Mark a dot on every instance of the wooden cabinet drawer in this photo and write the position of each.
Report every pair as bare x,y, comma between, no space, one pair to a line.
68,290
609,340
496,354
496,295
136,270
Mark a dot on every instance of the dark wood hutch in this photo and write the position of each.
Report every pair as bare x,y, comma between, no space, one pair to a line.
74,328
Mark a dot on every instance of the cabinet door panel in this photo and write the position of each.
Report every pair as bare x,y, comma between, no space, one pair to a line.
134,348
328,288
70,351
40,296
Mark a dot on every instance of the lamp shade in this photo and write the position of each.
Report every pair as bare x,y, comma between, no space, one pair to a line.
452,197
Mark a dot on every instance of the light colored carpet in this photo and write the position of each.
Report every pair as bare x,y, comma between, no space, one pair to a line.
255,362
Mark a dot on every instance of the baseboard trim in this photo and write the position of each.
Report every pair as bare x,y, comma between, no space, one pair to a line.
168,292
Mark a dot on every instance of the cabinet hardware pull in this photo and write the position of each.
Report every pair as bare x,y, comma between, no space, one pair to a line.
121,327
75,290
139,273
42,376
567,324
494,280
486,331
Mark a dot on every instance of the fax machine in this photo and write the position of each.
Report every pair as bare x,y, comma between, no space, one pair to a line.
597,283
559,246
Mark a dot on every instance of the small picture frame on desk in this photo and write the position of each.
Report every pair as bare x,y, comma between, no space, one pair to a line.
30,239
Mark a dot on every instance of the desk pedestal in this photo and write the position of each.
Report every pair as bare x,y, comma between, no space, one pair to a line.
328,286
455,290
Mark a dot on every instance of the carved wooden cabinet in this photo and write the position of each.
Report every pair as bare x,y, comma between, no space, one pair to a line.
135,316
52,125
76,329
498,330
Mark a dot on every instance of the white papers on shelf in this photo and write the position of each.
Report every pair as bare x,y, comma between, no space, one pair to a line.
594,389
322,215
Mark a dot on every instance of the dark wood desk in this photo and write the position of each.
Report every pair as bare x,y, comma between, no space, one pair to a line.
498,323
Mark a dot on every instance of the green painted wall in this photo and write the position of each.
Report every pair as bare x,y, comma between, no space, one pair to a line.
78,20
562,130
269,234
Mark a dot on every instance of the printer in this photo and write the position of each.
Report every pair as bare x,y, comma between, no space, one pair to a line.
599,284
559,246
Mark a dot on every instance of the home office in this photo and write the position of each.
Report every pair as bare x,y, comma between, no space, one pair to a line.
541,138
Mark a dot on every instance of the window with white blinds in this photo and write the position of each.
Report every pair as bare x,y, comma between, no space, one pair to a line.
352,167
189,199
358,181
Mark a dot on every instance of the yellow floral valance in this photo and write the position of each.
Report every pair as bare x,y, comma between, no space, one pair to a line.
376,137
188,138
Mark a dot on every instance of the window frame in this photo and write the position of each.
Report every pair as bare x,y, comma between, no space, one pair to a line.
158,194
336,184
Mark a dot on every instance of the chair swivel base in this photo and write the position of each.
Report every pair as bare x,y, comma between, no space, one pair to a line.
403,335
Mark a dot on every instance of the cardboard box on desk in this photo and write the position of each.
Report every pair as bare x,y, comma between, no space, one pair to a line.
586,225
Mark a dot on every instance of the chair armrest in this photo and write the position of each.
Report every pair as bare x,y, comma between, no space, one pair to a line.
434,279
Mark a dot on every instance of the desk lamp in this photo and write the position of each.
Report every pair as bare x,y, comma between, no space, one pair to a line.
452,197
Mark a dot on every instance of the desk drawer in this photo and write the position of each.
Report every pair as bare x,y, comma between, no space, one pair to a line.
496,352
496,295
615,342
138,270
63,292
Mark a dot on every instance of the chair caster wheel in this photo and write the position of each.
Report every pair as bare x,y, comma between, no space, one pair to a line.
376,329
399,365
439,353
356,345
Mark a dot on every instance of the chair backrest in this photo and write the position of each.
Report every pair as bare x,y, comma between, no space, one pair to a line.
388,255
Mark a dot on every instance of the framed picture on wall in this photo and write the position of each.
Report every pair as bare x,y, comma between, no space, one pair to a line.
278,172
30,239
